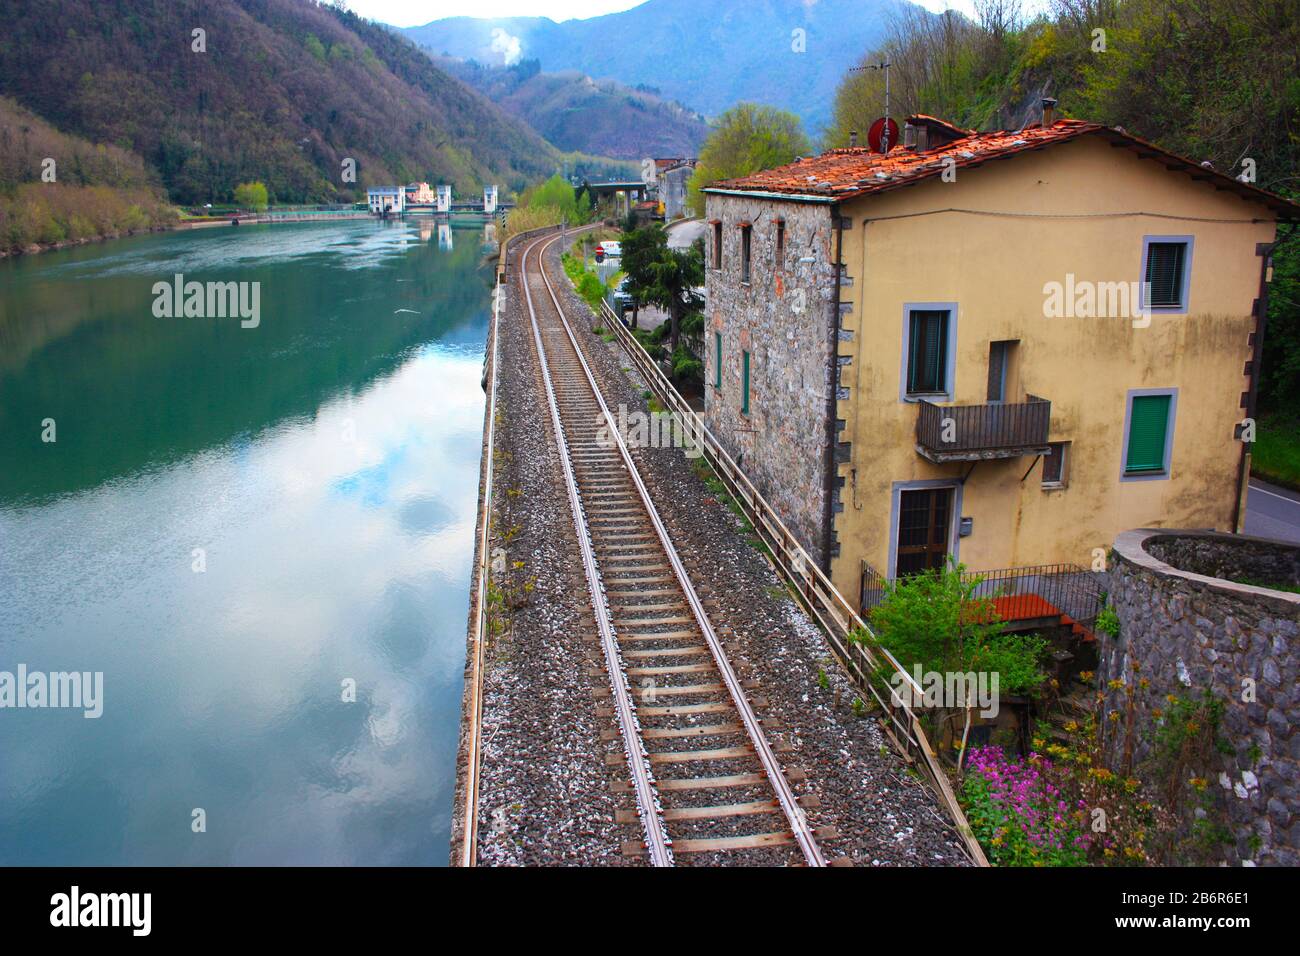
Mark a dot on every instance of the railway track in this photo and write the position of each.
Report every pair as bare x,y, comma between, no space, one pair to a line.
708,783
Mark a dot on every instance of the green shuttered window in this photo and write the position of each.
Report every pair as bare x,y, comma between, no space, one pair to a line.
1148,432
744,404
717,360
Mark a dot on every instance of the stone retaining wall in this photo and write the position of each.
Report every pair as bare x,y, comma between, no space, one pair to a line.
1189,632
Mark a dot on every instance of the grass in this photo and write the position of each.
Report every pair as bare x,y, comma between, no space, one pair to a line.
1256,583
1276,455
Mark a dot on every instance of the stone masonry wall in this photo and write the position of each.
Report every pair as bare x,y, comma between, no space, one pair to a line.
1265,563
1191,632
784,318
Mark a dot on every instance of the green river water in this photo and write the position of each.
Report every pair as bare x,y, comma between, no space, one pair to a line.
235,525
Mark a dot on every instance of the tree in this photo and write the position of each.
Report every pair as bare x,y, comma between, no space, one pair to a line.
664,277
251,196
746,139
641,248
556,195
1280,380
677,274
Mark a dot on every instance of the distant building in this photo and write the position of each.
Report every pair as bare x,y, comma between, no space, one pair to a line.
444,199
420,194
662,166
672,188
648,211
386,200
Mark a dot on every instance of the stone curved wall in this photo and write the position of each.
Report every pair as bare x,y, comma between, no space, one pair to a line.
1191,629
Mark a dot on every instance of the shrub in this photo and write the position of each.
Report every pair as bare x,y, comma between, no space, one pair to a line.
934,619
686,366
1019,814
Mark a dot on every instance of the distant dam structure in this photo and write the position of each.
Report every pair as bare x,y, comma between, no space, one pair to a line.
419,199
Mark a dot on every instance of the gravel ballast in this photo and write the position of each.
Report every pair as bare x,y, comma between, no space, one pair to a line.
546,795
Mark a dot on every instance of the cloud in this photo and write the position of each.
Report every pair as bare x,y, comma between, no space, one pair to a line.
510,47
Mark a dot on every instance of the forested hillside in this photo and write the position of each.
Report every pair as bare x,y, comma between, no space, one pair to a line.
88,190
576,113
278,91
1214,80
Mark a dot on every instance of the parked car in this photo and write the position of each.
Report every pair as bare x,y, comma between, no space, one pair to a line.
622,298
608,250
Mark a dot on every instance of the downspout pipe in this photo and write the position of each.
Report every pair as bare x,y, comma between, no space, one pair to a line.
828,515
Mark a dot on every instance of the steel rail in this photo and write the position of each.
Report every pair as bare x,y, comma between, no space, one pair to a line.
838,619
474,698
794,814
657,840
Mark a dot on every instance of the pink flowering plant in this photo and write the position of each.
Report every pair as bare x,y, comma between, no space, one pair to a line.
1019,813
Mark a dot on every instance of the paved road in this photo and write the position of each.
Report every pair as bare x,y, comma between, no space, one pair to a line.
680,236
1272,512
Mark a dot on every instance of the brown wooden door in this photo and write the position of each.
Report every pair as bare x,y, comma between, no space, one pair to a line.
924,520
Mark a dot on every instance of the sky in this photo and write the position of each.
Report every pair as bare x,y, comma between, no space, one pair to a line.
410,13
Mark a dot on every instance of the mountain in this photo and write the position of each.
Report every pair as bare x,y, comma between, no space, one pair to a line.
707,55
282,91
576,113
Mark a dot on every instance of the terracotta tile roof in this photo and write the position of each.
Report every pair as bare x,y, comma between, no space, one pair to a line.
856,171
843,174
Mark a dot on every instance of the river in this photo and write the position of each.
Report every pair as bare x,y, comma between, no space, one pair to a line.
260,536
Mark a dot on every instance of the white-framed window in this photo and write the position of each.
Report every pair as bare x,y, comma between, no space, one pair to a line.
1166,274
1149,433
1056,466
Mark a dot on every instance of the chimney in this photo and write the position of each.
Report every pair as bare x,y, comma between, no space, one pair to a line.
853,139
1049,111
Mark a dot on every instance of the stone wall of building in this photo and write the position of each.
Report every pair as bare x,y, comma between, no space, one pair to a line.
1190,632
784,317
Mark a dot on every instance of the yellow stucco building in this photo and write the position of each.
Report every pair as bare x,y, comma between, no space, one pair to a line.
1003,348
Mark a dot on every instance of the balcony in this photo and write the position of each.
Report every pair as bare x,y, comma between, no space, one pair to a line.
946,433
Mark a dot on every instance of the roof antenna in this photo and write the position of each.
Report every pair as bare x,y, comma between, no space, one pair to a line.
884,67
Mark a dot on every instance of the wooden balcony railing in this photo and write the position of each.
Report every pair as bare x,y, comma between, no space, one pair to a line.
973,432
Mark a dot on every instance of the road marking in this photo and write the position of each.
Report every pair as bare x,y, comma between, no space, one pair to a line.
1274,494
